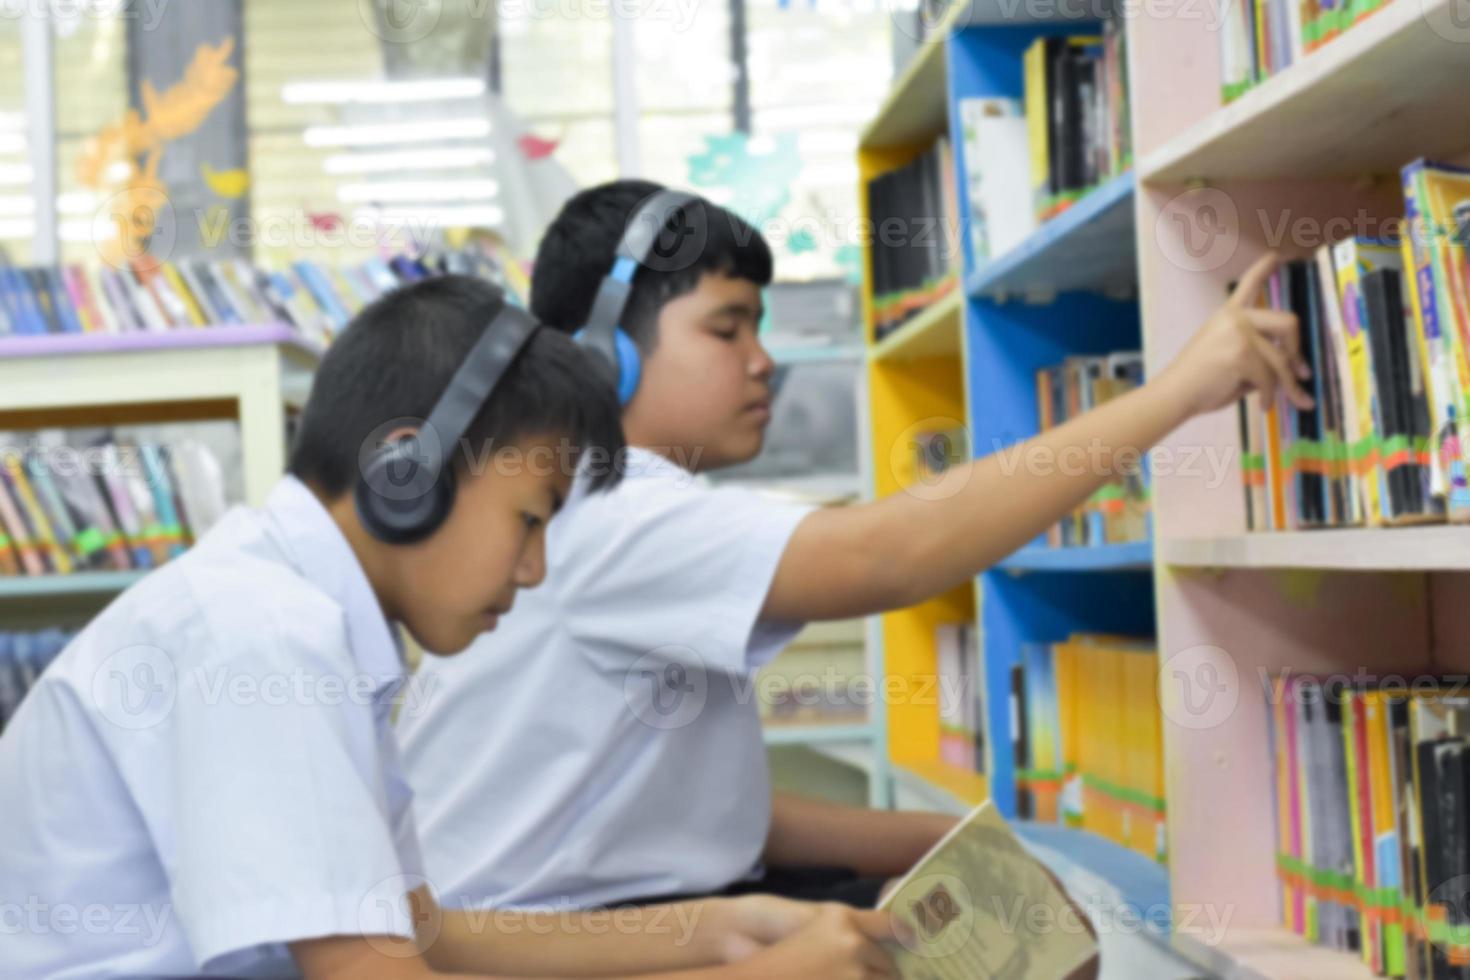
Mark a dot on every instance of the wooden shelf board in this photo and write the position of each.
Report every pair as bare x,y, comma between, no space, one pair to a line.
1427,548
933,333
1021,13
1249,954
786,354
32,587
1090,246
1366,103
1130,556
233,335
953,789
778,733
917,107
1108,873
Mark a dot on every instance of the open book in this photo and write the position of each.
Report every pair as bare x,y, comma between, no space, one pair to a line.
981,907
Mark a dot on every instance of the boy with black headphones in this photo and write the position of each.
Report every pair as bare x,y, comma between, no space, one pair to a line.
205,782
647,776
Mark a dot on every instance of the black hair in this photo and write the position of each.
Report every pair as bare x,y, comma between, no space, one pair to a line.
578,249
397,356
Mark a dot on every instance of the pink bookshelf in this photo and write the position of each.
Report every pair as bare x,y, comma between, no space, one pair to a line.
1322,141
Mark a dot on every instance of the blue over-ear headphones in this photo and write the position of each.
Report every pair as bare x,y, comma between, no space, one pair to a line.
407,487
603,331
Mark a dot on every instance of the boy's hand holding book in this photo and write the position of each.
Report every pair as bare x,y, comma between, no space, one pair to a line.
777,937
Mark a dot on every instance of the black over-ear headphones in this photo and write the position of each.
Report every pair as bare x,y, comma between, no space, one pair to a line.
407,487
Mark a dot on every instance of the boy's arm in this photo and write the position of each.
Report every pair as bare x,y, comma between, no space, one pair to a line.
908,547
751,938
812,833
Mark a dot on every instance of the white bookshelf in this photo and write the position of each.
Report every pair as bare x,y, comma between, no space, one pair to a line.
253,374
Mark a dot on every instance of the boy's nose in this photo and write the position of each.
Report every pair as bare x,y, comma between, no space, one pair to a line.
531,569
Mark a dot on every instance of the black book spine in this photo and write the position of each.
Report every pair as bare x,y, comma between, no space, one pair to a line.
1025,807
1431,819
1376,287
1308,421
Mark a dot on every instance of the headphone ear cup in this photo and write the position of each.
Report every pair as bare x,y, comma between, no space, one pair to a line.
630,366
397,500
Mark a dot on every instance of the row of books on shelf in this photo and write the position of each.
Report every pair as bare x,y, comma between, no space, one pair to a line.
1385,329
1088,736
914,213
1025,160
1372,800
1077,115
1120,511
151,295
109,506
1263,37
961,715
23,655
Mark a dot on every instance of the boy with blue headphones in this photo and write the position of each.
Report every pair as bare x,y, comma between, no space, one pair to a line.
205,782
619,690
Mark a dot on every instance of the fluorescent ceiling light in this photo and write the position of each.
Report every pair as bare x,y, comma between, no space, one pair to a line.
377,92
444,158
16,173
412,191
377,134
76,202
440,217
17,205
12,143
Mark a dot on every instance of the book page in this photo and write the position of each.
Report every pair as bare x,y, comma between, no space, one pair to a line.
980,906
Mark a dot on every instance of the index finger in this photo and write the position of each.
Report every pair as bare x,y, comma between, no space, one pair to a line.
879,925
1254,280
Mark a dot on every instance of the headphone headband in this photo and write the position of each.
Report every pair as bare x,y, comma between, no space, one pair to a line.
604,320
407,488
475,380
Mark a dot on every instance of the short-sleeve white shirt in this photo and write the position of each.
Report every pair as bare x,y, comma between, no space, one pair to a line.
208,770
604,743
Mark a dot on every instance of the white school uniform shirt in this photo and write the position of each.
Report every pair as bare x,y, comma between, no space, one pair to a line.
208,770
604,742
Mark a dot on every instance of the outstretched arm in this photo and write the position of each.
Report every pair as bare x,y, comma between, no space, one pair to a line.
908,547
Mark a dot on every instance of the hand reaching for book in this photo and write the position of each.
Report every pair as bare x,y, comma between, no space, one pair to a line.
1241,348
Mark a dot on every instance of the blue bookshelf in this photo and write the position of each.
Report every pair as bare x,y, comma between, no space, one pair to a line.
1129,557
1077,250
1078,277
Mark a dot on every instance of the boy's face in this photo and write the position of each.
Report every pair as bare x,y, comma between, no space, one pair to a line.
456,584
705,391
